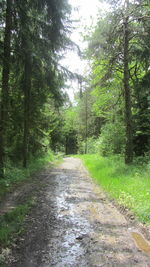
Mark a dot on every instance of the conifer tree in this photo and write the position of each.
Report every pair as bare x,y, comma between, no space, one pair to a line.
5,85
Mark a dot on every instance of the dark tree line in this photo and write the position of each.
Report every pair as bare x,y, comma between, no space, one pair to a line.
33,33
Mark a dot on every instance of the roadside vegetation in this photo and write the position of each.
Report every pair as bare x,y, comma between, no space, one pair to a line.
16,175
11,225
128,184
12,222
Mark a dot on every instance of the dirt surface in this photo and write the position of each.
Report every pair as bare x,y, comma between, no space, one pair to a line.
73,224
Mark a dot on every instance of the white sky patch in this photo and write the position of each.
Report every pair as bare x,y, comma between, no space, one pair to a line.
84,13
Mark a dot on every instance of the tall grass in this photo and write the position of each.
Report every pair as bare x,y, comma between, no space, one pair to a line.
129,185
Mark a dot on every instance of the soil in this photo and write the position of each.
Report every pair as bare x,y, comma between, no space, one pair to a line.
72,224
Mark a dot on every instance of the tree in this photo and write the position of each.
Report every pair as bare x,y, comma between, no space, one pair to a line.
51,34
127,91
70,130
37,37
112,50
5,84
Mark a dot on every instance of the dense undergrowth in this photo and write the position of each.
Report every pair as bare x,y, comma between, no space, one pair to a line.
128,184
14,175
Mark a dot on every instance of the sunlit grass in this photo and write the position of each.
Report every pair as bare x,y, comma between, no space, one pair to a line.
129,185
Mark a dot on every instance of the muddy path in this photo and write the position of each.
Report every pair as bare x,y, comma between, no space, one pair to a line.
74,224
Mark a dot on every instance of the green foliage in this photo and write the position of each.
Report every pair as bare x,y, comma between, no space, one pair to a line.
70,119
92,146
129,185
112,138
69,130
106,54
141,115
87,124
39,32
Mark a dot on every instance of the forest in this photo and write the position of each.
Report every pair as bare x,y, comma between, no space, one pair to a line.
111,113
33,36
108,123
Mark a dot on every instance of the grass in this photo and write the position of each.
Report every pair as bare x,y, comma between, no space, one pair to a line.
129,185
11,224
16,175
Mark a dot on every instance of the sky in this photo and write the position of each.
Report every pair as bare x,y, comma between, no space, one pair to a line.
85,11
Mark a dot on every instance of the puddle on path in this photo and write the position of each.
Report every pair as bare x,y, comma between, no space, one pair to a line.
141,242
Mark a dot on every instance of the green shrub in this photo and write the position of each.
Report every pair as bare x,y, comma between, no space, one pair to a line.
112,139
91,144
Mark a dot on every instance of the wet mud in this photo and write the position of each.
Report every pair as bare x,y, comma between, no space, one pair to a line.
74,224
141,242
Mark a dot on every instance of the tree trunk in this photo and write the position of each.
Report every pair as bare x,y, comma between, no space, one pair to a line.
127,94
27,93
86,122
5,86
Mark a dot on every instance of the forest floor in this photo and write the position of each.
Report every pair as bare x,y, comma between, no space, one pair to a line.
73,223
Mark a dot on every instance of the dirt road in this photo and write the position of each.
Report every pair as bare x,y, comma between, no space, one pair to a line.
74,224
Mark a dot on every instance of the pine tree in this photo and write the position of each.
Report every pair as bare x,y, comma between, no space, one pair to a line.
112,49
5,85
